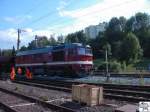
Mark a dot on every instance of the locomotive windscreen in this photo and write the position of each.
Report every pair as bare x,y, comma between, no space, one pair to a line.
58,55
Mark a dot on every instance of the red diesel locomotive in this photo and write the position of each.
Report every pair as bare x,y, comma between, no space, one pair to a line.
73,58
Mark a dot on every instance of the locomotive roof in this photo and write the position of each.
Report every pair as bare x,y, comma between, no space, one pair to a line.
34,51
48,49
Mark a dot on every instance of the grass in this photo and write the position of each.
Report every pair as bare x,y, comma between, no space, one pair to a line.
98,62
143,64
44,98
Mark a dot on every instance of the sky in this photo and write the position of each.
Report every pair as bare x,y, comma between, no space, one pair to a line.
56,17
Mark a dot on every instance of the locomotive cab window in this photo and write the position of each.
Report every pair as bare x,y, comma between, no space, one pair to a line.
88,51
81,51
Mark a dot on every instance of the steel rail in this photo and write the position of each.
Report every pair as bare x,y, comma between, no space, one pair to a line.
43,103
127,95
7,108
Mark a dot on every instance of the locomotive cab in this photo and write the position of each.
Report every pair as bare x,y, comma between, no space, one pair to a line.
83,57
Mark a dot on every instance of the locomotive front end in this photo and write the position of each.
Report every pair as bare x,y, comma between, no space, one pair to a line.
84,59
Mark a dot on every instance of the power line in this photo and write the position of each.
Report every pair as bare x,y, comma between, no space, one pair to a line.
44,16
59,21
104,9
40,18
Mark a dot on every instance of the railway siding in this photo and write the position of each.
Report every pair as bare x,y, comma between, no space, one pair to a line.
64,100
44,103
13,103
126,92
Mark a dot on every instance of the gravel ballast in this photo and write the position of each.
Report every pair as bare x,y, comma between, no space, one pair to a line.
59,98
20,104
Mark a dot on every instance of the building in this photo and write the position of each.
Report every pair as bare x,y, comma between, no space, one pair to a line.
93,30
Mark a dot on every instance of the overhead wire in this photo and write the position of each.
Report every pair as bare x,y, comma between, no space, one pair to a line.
104,9
66,21
43,16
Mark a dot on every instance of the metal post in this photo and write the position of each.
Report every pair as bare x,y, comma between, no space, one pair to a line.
106,59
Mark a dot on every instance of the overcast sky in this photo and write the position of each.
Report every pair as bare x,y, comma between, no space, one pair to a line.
46,17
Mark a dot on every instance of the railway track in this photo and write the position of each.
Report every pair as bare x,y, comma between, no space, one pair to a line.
30,100
7,108
111,92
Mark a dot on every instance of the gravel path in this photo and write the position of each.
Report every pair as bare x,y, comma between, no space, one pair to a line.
59,98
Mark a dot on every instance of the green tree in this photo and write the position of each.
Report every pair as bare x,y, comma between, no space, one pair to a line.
77,37
7,52
130,24
23,48
41,41
114,34
142,31
13,51
131,49
52,41
97,45
60,39
146,45
122,22
142,20
71,38
81,37
116,49
32,44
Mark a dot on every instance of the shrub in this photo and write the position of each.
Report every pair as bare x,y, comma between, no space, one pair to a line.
112,66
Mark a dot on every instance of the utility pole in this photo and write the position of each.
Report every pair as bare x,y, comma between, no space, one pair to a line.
18,40
106,59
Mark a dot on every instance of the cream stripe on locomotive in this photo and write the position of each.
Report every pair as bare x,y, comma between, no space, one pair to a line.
57,63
